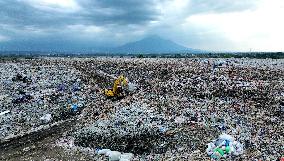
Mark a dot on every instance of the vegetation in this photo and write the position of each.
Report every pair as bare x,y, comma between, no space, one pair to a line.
253,55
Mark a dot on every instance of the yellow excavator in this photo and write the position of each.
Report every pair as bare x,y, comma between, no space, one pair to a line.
119,87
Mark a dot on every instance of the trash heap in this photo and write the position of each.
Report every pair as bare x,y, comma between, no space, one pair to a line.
224,147
36,92
133,128
205,98
179,105
116,155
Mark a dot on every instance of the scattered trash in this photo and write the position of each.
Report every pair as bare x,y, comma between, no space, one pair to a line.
125,130
180,105
46,118
113,155
33,90
131,87
126,157
103,151
179,120
116,155
74,107
223,147
4,112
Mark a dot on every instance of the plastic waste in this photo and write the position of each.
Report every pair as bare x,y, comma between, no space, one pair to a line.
4,112
131,87
179,120
76,87
162,129
61,87
122,159
126,157
113,155
224,146
238,148
74,107
103,151
46,118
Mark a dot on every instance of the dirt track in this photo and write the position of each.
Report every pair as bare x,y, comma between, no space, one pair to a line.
35,145
38,145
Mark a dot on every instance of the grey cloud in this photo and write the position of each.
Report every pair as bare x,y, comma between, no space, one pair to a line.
107,12
118,12
20,21
95,12
21,15
203,6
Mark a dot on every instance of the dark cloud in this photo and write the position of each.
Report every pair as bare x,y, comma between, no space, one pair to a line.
26,25
120,12
106,12
20,14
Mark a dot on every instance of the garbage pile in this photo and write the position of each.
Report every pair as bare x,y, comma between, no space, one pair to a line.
224,147
133,128
35,92
116,155
239,97
177,108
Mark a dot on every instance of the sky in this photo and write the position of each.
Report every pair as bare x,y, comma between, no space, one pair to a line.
213,25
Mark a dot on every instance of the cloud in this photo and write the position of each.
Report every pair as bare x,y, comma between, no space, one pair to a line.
21,14
79,20
3,38
120,11
221,6
180,9
51,13
204,24
64,6
259,29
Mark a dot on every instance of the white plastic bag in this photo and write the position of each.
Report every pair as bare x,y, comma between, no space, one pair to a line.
46,118
113,155
103,151
126,157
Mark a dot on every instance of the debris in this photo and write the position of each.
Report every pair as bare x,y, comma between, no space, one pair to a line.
4,112
113,155
179,120
223,147
131,87
180,104
126,157
103,151
127,129
74,107
46,118
31,90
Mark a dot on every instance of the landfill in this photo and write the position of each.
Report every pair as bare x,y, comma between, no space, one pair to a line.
178,109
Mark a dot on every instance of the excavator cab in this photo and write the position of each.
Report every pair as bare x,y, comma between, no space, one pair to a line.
119,87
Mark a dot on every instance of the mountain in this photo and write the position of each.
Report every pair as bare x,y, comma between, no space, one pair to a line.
153,44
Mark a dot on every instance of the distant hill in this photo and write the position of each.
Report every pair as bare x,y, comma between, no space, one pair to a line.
153,44
149,45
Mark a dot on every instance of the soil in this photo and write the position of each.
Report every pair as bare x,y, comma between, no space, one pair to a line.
39,146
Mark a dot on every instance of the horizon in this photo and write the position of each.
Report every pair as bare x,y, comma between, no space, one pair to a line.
86,25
